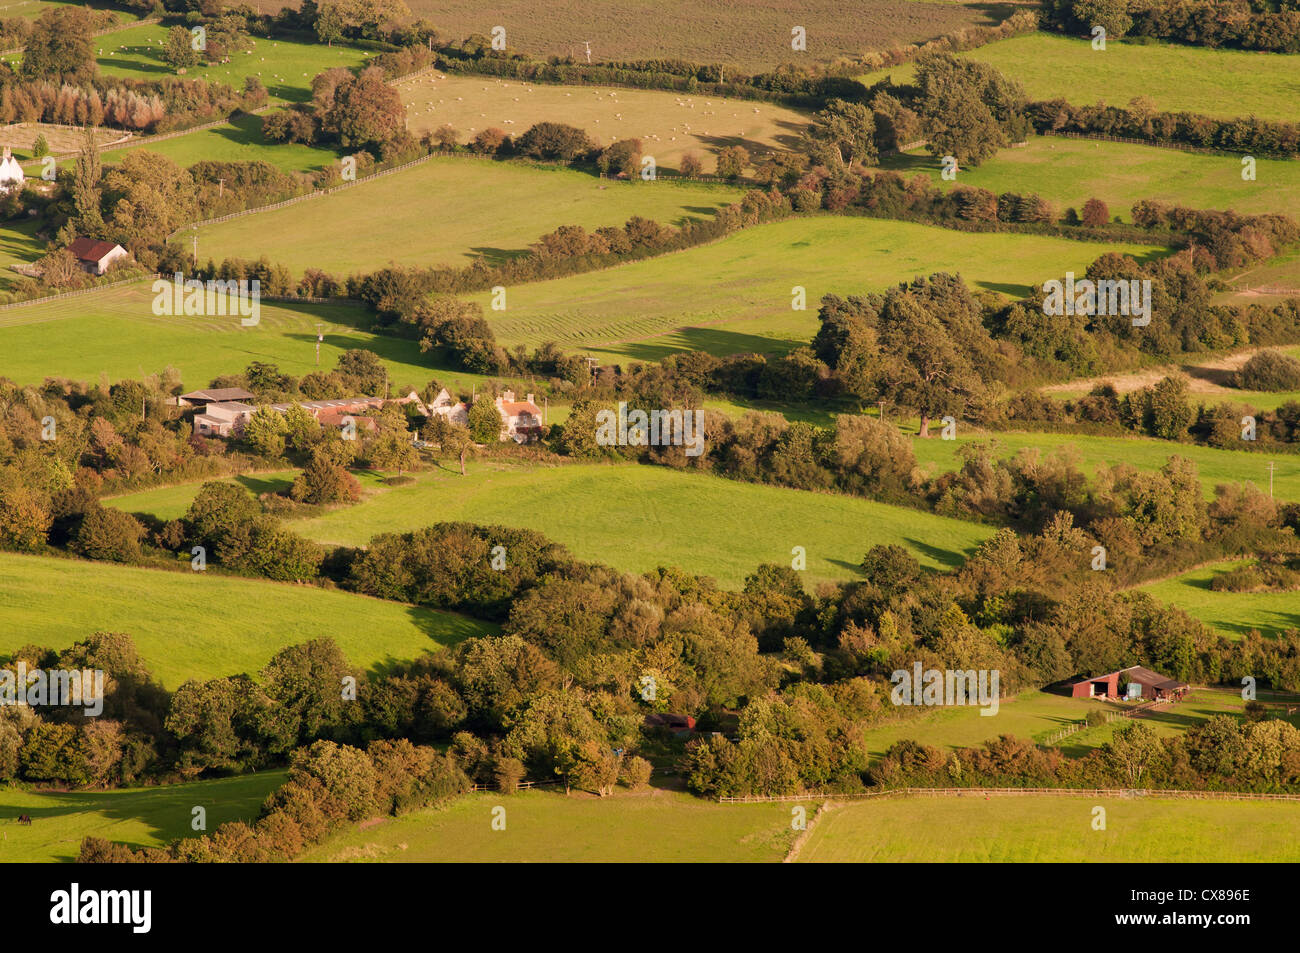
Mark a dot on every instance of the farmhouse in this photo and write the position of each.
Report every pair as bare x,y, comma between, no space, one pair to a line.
1141,682
455,413
11,173
95,256
521,420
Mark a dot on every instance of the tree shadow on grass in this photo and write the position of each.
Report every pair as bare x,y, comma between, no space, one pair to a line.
1010,289
945,557
716,341
498,256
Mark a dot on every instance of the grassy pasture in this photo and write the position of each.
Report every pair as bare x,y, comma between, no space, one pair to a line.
446,212
1280,274
285,67
115,332
1232,613
668,124
1225,84
1211,378
707,31
203,625
140,817
637,518
1037,715
239,140
653,825
1053,830
31,9
1214,466
172,502
664,826
18,245
1031,714
1068,172
735,295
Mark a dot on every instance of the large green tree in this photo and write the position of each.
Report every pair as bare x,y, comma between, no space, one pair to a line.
60,46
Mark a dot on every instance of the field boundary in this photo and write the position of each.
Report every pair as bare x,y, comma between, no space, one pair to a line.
1127,793
1178,146
116,28
80,291
314,194
797,845
319,193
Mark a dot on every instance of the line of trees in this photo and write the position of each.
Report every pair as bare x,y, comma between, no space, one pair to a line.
1269,25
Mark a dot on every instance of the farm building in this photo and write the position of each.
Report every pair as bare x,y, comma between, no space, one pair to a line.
343,406
1141,683
223,419
219,395
679,725
95,256
521,420
224,411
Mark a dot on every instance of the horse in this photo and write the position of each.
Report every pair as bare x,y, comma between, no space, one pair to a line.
25,819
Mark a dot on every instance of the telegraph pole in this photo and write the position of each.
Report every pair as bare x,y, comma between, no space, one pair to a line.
1271,467
320,336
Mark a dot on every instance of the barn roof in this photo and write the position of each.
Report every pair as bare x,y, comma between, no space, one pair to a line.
219,394
89,249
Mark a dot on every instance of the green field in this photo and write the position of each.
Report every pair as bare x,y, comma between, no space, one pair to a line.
1214,466
203,625
115,332
1038,715
664,826
31,9
637,518
239,140
1232,613
1226,84
18,245
734,295
971,829
171,502
140,817
649,826
1030,714
285,67
1068,172
448,211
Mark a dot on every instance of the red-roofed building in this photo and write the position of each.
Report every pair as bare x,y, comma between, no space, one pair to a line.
1141,683
95,256
521,420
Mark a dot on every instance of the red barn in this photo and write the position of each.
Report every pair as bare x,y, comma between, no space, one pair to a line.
1150,685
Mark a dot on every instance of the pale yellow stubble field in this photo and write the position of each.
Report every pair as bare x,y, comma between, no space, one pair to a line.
668,124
